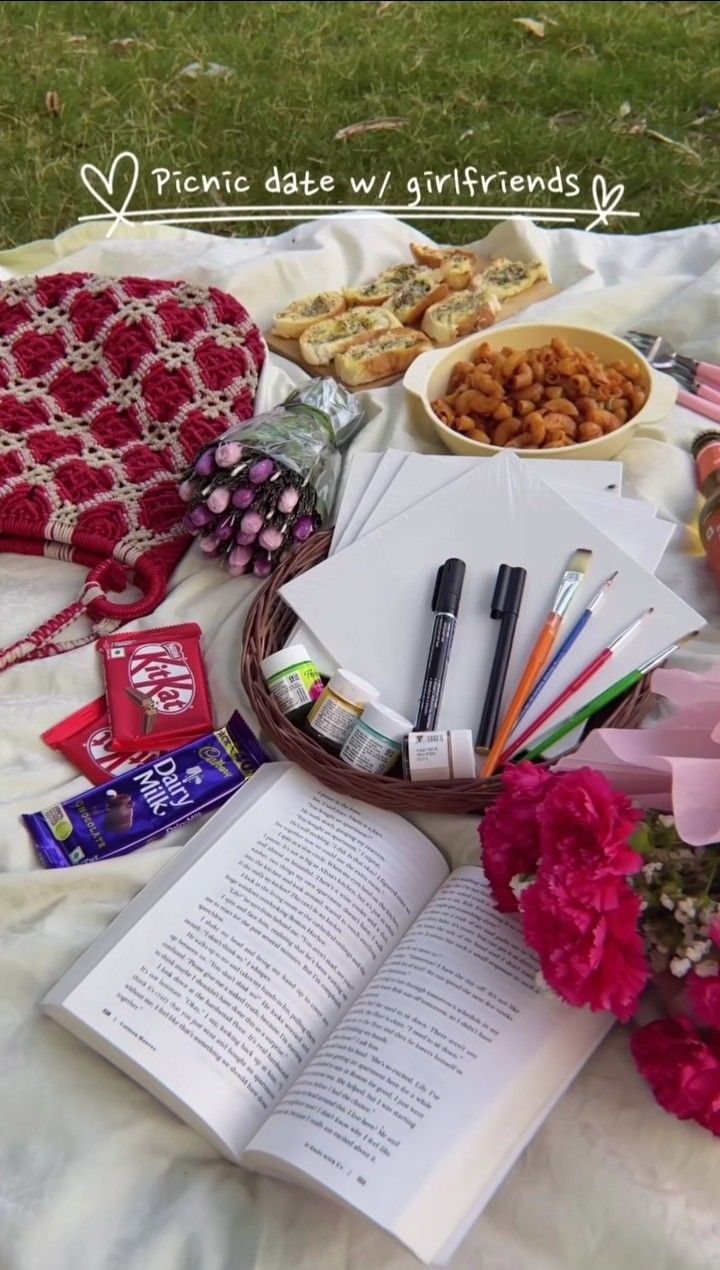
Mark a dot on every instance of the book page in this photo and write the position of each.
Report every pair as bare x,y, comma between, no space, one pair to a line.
224,988
398,1113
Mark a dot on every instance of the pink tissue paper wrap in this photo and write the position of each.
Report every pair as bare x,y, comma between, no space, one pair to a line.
670,766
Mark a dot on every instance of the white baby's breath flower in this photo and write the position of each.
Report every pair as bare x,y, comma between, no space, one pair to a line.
707,969
519,883
698,950
650,869
667,902
686,906
679,966
666,821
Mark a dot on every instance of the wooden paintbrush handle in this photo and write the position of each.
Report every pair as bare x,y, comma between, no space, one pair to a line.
529,678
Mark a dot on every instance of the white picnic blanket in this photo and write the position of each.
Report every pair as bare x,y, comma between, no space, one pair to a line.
94,1174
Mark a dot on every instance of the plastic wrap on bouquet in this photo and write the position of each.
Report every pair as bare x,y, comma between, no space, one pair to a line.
271,483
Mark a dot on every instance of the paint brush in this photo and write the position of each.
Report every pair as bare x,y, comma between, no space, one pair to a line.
568,642
572,577
603,699
585,675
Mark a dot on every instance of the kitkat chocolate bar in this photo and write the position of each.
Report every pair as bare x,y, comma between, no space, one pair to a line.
157,692
86,740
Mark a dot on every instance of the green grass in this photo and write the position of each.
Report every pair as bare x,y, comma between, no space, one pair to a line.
475,88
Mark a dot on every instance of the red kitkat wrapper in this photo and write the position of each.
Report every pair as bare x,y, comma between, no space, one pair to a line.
157,691
85,739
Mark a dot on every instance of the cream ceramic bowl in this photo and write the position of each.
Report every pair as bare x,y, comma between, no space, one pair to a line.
428,377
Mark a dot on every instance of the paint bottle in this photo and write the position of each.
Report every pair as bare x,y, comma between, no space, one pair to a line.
706,452
337,709
439,756
293,679
375,740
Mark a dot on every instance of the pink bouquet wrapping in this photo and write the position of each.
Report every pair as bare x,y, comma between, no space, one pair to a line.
673,765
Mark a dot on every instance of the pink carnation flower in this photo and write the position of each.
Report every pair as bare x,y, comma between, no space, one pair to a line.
704,996
588,957
682,1069
584,829
580,915
509,830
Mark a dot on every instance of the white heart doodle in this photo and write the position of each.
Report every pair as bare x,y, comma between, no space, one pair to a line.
605,200
108,183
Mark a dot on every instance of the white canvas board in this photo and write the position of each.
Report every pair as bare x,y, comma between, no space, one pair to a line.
369,605
360,470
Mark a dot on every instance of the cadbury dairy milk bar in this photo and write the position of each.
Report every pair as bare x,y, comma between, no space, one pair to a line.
148,801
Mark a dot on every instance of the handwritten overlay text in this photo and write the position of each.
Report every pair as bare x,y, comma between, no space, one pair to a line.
114,191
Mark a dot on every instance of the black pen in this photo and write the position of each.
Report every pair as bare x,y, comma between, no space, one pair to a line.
505,606
445,605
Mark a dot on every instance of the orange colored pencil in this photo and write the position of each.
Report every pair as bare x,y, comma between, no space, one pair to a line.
571,579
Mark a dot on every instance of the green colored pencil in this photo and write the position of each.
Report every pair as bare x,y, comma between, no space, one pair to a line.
597,703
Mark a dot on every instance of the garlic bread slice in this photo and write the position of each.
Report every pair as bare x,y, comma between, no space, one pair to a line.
381,354
293,320
457,266
504,278
381,288
411,300
460,314
320,342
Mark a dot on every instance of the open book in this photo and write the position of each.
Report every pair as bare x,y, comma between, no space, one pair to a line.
306,986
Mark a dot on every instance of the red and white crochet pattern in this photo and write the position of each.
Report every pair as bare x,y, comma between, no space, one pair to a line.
108,389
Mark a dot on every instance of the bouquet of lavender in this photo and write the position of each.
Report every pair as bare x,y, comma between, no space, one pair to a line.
271,483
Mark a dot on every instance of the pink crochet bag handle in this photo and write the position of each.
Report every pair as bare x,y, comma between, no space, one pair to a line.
104,615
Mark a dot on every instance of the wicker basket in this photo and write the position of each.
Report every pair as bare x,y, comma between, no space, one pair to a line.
268,625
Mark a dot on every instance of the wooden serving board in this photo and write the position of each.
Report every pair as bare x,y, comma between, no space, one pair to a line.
290,349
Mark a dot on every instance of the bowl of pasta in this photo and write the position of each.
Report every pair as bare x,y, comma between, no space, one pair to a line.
543,390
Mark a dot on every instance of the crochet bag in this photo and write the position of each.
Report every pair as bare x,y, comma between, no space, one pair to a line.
108,389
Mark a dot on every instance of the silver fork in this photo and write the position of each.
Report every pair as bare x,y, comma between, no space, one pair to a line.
696,379
660,353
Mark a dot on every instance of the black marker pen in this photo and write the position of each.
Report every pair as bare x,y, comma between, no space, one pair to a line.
505,607
445,605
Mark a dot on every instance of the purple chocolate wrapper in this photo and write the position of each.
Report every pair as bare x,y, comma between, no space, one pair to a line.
120,816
